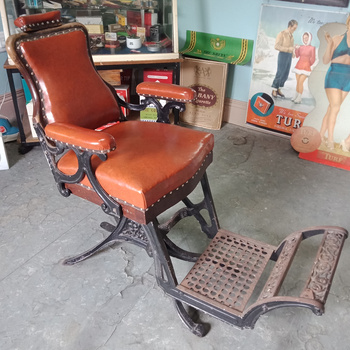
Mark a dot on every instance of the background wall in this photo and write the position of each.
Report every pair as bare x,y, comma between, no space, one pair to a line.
235,18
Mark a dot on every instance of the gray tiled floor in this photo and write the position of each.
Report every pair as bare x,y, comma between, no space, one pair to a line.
111,301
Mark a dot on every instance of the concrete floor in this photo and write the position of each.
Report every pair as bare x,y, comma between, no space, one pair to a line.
111,301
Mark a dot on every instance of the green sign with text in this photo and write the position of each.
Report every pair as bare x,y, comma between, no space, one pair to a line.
218,48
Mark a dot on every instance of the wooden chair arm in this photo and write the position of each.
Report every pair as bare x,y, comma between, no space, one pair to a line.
166,91
76,136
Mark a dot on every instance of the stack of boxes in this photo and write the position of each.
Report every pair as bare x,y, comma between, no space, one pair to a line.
123,91
120,80
137,18
94,26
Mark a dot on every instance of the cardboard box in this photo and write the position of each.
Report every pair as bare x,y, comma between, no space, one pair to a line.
141,33
114,27
126,77
123,91
149,114
111,76
134,18
121,19
151,18
138,31
159,76
87,20
111,40
94,28
97,40
208,79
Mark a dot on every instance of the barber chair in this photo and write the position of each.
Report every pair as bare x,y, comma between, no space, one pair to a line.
137,170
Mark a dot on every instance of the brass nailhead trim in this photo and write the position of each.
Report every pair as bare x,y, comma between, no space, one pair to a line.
145,210
167,98
20,53
82,148
33,25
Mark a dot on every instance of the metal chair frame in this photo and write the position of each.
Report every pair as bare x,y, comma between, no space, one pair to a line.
224,277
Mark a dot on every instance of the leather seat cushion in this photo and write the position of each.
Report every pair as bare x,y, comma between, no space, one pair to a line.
150,161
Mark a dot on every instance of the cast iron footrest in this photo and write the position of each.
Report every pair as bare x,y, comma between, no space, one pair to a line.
226,274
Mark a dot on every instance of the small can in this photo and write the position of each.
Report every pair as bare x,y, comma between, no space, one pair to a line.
122,40
155,33
34,4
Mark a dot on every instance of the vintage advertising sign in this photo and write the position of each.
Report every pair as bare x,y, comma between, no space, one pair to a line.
332,125
208,78
285,111
218,47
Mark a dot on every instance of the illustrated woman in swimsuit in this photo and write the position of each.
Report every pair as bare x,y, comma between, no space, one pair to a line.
337,82
307,56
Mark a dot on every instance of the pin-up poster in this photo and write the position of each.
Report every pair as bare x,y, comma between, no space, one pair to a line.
286,54
330,85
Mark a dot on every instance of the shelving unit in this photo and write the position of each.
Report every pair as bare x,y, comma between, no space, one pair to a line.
157,20
109,23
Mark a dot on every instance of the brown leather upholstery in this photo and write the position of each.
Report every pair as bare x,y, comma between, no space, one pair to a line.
145,162
150,161
38,21
166,91
81,137
58,59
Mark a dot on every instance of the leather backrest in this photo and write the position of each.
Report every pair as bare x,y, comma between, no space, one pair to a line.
63,79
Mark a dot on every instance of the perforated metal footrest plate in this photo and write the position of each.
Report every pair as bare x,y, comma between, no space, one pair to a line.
227,272
224,278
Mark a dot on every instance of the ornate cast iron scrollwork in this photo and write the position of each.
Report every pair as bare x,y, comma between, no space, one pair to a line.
163,111
323,269
54,150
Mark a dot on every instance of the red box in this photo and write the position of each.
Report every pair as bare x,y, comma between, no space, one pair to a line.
123,91
151,18
126,76
158,75
134,18
262,105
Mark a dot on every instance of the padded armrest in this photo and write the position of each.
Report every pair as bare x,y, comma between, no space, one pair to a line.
166,91
96,141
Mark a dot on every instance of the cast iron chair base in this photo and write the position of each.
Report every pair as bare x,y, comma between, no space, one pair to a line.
133,232
225,275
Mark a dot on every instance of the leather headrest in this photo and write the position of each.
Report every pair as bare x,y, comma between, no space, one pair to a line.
32,23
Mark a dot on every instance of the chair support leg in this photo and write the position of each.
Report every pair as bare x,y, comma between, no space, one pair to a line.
210,229
198,329
165,275
125,230
180,253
